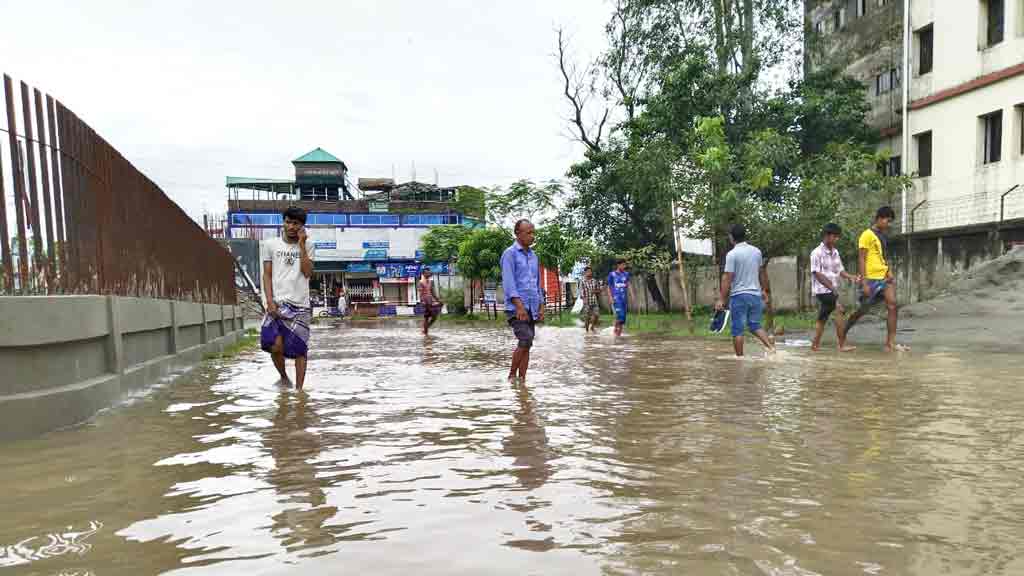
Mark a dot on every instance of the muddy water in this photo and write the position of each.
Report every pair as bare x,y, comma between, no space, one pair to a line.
637,456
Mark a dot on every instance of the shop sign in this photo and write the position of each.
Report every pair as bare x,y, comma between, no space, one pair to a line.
392,270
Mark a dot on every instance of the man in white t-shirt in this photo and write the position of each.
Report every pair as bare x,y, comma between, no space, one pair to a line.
287,266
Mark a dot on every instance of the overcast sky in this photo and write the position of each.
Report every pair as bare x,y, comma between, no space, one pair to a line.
192,92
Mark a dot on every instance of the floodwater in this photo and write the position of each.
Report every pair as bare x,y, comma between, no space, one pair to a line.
642,455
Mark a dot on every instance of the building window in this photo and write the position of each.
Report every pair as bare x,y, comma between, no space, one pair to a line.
1020,127
882,2
839,19
924,154
992,137
862,8
892,167
925,39
993,17
819,27
887,81
374,220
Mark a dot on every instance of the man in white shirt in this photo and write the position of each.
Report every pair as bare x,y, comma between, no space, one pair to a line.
287,266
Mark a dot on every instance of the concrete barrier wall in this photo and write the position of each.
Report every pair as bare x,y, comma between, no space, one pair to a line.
64,358
927,262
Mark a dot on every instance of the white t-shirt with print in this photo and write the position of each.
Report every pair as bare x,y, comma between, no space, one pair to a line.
290,285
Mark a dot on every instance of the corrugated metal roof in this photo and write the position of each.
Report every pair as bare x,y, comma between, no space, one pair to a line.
318,155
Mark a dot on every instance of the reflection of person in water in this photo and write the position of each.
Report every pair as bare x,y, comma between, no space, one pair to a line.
294,448
528,443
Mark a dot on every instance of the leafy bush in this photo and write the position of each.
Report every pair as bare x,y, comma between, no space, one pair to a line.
454,299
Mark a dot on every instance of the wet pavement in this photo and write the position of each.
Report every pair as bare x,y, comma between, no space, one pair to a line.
642,455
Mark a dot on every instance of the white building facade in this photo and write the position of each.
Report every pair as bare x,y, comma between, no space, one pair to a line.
966,111
966,98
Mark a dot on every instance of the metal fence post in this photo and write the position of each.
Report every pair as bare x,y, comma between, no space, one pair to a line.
999,225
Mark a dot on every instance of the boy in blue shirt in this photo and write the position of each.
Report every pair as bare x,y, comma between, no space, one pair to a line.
618,293
745,287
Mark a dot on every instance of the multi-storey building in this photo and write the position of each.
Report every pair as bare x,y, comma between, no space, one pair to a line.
965,118
367,246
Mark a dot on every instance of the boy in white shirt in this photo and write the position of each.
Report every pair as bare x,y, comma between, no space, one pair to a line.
287,266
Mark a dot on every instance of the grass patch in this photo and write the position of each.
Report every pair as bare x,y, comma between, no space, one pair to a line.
246,341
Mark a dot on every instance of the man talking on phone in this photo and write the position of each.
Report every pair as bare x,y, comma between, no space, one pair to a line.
287,266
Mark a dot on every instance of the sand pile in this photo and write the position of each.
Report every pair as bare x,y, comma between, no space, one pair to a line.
981,309
994,287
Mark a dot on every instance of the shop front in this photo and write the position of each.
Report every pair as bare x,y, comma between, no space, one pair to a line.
371,289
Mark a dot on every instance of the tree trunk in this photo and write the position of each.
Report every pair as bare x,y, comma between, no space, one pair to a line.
770,313
747,42
720,29
651,280
686,293
668,290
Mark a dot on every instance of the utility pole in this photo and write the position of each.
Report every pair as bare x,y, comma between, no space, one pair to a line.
677,237
906,111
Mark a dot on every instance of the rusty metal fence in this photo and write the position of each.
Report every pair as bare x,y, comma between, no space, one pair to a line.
85,221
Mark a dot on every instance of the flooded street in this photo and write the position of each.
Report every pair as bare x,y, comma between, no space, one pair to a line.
642,455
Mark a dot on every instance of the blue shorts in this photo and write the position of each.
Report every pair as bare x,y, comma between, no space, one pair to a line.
745,311
620,312
877,288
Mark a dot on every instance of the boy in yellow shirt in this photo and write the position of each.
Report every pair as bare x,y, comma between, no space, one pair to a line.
878,282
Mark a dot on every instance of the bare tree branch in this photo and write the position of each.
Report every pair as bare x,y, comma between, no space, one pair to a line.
573,91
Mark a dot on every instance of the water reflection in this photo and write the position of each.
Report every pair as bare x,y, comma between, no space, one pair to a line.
295,447
527,444
412,455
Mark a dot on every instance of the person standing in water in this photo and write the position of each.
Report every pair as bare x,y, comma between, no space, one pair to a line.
431,303
744,286
287,266
878,284
589,290
520,281
826,271
618,293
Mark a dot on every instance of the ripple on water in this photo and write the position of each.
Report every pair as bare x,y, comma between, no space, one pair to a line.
644,455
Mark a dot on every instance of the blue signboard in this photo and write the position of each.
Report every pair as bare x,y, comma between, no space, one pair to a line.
398,270
376,254
359,267
377,244
325,245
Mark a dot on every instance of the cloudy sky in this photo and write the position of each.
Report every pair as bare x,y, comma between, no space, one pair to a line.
192,92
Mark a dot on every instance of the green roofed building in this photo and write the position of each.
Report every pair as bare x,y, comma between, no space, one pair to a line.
319,175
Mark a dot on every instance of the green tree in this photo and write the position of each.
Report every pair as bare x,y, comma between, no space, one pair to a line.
471,202
559,249
442,243
689,117
480,256
522,199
